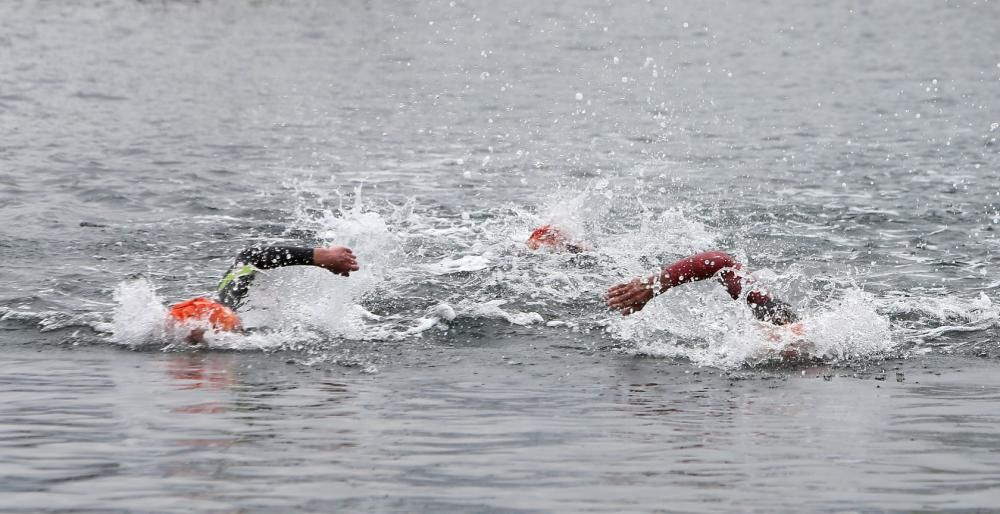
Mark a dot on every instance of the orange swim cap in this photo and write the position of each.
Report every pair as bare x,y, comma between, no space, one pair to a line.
202,309
555,239
546,235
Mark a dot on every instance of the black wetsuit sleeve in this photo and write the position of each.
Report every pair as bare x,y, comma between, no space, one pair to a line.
269,257
235,284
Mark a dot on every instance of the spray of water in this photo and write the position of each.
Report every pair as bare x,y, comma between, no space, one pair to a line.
139,317
422,269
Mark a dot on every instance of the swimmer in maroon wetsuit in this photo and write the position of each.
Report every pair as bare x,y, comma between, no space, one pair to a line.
199,314
632,296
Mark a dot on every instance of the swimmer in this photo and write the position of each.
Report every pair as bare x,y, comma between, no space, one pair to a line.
631,297
554,239
198,314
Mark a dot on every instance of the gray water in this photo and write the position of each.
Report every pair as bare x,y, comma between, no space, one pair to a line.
846,153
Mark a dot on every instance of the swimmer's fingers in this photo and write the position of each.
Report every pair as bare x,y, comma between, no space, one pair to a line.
346,267
617,290
622,290
630,306
349,264
622,299
339,260
345,272
630,297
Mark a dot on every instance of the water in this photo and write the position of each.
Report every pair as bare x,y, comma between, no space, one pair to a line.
847,154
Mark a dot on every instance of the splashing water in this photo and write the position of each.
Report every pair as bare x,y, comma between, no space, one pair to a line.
710,329
139,317
850,327
948,315
297,300
421,270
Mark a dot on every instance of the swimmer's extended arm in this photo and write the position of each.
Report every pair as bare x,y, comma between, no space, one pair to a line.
632,296
338,259
236,283
269,257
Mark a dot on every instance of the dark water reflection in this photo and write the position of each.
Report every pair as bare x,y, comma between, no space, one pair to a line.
107,430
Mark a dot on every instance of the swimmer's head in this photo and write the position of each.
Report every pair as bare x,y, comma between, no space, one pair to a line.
200,314
775,311
553,238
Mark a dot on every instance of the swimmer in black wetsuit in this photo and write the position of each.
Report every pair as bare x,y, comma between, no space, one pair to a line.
235,284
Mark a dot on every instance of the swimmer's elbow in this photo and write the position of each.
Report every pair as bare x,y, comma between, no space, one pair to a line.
246,255
717,259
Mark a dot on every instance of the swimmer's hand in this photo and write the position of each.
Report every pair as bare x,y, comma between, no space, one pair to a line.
339,260
632,296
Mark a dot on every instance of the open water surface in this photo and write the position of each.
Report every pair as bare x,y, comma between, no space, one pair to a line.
847,153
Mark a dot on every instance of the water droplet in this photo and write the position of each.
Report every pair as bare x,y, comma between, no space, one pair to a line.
685,24
579,96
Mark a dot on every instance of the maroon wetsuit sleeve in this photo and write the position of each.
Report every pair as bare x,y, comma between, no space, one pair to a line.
706,265
710,264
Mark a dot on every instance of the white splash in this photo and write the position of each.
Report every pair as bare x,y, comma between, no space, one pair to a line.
467,263
435,315
850,327
492,309
726,335
139,317
949,314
